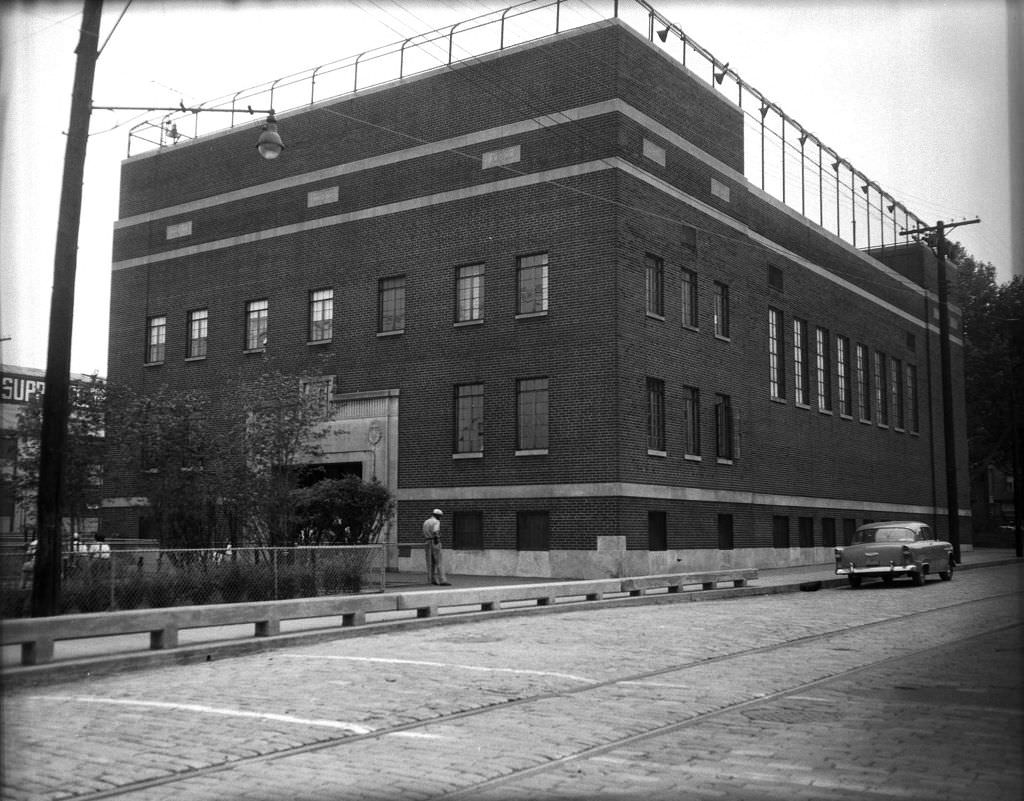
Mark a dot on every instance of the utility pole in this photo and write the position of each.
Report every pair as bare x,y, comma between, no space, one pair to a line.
53,438
948,428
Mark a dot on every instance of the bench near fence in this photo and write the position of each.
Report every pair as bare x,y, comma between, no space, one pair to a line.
37,636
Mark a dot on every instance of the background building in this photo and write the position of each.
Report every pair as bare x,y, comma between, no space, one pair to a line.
546,299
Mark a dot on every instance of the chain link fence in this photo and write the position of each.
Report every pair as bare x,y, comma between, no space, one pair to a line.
151,578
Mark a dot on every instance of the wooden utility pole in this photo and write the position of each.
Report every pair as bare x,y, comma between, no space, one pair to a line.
46,581
948,427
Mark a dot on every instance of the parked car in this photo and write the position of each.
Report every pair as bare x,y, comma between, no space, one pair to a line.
892,549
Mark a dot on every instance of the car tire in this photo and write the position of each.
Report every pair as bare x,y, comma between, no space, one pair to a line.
917,577
854,581
947,574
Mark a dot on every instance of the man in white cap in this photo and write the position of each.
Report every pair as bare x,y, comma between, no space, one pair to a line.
432,547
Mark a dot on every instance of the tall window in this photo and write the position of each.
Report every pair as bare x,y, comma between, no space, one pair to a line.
721,310
321,315
896,393
532,404
725,533
843,384
913,412
801,363
881,388
391,304
469,293
780,531
257,313
532,279
823,366
469,418
724,427
655,284
828,531
468,531
657,531
863,383
156,339
532,531
198,327
691,421
689,312
776,360
805,532
655,414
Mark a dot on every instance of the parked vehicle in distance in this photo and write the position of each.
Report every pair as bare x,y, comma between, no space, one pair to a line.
894,548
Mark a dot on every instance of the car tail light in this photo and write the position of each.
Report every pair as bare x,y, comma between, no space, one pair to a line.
906,554
838,554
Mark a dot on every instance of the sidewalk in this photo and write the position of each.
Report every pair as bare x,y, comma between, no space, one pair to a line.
76,658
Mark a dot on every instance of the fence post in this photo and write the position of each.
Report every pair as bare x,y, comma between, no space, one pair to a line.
113,579
277,596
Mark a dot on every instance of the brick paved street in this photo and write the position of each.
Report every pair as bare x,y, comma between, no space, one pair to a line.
749,698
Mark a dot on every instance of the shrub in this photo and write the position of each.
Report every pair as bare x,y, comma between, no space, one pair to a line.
161,590
233,583
15,603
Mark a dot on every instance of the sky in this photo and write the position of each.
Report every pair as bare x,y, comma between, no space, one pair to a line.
913,93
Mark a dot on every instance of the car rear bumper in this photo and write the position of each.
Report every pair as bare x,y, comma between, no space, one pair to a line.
881,570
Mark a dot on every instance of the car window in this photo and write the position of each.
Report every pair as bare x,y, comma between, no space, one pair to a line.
894,535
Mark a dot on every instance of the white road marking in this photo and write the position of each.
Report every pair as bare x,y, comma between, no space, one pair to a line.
355,728
657,684
444,665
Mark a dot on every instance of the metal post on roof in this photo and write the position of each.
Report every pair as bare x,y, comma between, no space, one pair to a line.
355,73
451,40
501,41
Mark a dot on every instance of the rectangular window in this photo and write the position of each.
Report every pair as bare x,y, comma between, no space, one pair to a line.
896,394
724,428
805,532
532,279
156,339
391,304
657,531
532,404
725,533
720,190
655,414
532,531
776,359
690,408
655,283
913,412
688,238
198,328
321,315
828,532
823,365
780,531
257,313
469,418
775,278
689,310
863,384
469,293
849,528
881,388
721,310
843,376
801,363
321,197
468,531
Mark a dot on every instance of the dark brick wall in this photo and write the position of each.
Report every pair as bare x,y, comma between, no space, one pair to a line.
596,344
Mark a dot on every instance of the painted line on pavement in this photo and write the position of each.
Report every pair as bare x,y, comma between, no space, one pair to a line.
355,728
444,665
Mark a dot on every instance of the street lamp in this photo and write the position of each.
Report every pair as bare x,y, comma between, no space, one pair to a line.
53,436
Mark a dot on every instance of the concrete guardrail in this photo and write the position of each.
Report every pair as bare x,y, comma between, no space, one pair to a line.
37,636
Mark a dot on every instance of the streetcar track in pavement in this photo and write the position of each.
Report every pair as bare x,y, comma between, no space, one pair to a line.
410,728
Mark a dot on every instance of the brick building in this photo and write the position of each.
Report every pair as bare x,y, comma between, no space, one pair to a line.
552,305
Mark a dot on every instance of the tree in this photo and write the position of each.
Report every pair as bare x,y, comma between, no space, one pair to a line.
83,452
221,469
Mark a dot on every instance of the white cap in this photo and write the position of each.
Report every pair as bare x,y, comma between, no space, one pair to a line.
438,512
